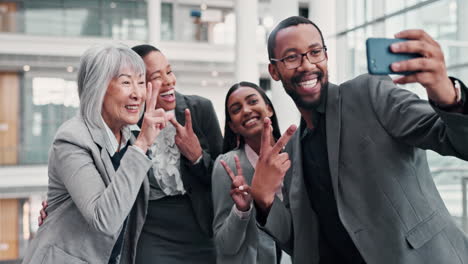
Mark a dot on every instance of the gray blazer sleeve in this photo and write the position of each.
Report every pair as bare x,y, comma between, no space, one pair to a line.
73,170
408,118
279,225
229,229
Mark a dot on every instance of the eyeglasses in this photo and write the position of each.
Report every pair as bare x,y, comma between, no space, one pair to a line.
293,61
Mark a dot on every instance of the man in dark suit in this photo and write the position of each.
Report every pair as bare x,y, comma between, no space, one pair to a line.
359,189
180,214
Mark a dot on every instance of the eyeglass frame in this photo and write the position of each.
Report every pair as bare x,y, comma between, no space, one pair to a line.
324,49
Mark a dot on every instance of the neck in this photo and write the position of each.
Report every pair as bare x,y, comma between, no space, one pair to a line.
308,116
115,130
256,142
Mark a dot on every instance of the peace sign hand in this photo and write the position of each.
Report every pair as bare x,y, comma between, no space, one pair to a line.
153,120
185,139
271,166
240,191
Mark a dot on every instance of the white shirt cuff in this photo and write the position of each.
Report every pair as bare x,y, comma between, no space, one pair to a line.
139,150
240,214
198,160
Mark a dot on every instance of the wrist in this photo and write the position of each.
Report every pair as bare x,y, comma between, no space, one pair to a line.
196,157
243,208
262,200
142,144
457,102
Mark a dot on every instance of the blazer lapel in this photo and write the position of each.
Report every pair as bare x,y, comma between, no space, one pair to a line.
333,126
298,195
98,137
181,105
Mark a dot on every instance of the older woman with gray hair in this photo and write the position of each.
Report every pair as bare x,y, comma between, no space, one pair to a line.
98,188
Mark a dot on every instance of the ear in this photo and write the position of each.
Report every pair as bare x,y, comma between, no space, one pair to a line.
273,72
269,111
232,127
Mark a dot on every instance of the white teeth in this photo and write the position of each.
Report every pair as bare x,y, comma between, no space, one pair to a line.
132,107
170,92
250,121
310,83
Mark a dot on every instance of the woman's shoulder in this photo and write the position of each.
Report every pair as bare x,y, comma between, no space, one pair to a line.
73,130
229,156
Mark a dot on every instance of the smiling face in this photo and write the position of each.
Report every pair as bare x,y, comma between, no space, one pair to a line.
158,68
124,99
247,109
305,83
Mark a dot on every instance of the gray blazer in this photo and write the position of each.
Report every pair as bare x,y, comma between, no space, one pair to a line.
385,194
89,200
237,240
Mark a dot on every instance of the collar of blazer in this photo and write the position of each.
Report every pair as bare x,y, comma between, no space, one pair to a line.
98,134
333,130
181,105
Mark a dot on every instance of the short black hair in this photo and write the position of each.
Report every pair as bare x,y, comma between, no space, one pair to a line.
231,141
288,22
144,49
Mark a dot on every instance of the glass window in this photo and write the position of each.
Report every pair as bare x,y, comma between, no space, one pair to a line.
95,18
394,25
392,6
167,22
350,16
47,103
369,10
359,7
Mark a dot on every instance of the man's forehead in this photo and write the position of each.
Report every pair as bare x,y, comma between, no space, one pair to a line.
297,37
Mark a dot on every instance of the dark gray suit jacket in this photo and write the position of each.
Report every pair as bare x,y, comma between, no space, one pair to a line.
197,178
89,200
385,194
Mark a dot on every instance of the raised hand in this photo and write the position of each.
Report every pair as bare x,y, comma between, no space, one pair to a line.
153,120
240,191
430,69
271,166
186,139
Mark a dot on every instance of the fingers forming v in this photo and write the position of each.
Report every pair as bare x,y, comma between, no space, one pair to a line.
188,119
228,170
284,139
266,137
238,165
153,96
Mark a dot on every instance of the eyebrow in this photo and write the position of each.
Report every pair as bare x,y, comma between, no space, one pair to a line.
250,95
315,45
246,98
159,71
124,74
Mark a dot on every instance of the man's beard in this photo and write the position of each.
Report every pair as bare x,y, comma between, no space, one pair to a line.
301,103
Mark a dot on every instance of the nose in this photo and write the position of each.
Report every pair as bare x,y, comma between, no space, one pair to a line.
167,79
246,110
138,91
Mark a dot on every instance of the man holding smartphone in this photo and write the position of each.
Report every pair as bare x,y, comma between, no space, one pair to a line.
359,189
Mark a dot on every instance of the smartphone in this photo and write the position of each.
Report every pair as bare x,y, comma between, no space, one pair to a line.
380,57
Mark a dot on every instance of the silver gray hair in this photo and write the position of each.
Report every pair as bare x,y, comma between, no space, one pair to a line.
98,66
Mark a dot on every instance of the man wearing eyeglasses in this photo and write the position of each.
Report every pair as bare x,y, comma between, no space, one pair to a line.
359,189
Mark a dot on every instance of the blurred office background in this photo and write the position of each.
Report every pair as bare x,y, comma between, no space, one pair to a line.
211,44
